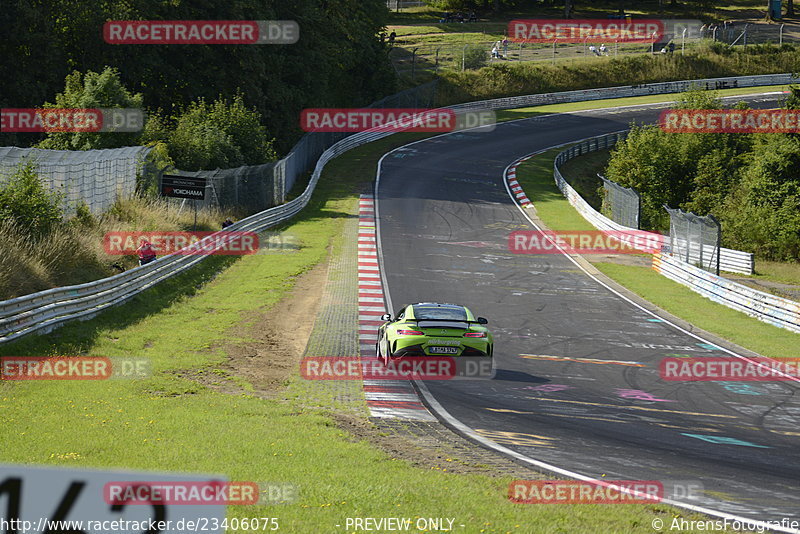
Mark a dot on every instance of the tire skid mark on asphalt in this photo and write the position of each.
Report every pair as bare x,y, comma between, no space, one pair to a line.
387,399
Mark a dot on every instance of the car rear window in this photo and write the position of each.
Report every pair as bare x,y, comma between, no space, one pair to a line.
452,313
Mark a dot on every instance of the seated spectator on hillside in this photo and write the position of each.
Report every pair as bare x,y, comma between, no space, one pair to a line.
226,223
392,37
473,17
593,50
603,50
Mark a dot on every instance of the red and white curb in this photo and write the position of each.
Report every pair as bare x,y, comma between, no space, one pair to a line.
516,189
388,399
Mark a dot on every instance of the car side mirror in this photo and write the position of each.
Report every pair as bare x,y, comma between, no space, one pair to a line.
386,317
482,320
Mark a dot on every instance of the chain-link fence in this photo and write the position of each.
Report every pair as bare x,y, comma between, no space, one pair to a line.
621,204
94,177
695,239
398,5
475,50
412,60
748,33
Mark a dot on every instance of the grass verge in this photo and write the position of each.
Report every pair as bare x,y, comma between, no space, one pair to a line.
536,178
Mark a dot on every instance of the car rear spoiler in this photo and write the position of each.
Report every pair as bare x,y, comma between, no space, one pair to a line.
444,320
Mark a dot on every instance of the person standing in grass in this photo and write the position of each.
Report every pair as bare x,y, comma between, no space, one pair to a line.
146,253
505,47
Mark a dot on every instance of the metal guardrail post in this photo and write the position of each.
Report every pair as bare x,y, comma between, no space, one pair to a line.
780,35
719,240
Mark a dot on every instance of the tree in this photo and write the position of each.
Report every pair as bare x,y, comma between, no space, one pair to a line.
218,135
25,201
762,215
93,90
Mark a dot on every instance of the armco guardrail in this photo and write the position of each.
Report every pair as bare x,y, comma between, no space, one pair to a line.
629,90
600,221
734,261
763,306
43,311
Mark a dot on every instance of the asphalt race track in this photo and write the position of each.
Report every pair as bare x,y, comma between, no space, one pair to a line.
444,219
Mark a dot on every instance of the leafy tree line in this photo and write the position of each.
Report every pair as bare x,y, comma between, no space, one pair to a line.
750,182
338,60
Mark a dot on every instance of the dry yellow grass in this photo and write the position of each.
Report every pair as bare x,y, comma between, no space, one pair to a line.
72,253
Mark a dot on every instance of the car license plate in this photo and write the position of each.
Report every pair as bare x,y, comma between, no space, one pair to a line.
443,350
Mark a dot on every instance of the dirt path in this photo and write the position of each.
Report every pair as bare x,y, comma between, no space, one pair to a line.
276,338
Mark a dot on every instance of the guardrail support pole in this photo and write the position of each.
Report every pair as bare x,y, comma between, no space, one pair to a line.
436,66
554,51
413,62
719,240
780,37
463,57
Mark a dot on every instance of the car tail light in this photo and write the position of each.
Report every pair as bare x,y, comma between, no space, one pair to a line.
475,334
410,333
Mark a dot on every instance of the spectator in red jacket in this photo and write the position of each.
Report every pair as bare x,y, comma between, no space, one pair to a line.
146,253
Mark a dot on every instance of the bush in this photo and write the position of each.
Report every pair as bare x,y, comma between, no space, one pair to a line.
25,201
93,90
207,136
475,57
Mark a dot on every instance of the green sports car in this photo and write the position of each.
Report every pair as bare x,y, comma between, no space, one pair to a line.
432,329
